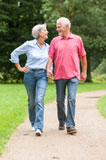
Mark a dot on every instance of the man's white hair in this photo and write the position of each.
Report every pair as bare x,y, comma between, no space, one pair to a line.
64,21
37,29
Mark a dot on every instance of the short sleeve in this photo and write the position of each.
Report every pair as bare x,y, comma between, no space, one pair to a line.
51,49
82,51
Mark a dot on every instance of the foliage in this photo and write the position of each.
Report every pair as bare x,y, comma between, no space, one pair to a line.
12,76
16,22
17,17
101,69
99,78
88,21
99,74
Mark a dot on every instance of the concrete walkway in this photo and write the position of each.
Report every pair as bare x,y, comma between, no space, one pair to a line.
88,144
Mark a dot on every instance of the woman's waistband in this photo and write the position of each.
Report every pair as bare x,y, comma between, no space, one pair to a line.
36,70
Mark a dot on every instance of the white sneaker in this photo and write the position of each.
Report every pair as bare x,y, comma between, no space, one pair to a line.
38,132
33,128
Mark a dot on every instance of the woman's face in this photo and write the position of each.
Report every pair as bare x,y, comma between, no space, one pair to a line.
44,33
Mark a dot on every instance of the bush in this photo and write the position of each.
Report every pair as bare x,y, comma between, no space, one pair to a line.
11,76
101,69
99,78
14,76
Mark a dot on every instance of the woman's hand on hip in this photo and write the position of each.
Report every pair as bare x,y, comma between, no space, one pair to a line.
24,69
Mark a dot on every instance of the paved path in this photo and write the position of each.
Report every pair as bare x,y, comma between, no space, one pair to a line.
88,144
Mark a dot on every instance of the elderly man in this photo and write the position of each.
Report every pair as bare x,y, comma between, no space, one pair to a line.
67,50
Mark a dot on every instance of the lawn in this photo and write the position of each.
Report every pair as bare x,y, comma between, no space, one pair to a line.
13,106
101,105
86,87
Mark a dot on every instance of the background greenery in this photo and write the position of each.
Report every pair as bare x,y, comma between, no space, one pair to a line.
17,17
101,105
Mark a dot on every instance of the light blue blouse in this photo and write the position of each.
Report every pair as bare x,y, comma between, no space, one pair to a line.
36,57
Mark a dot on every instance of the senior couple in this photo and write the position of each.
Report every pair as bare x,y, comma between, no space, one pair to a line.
66,50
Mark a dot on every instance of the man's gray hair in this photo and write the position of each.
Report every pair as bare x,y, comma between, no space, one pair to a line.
37,29
64,21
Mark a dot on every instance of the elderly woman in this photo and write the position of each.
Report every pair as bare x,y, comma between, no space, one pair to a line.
35,78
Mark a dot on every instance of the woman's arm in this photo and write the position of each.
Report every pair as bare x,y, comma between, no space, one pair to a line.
21,69
15,57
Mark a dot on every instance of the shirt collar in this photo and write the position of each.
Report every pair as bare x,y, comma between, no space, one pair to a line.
69,37
35,42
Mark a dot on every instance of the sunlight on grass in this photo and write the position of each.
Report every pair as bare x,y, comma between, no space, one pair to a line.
14,110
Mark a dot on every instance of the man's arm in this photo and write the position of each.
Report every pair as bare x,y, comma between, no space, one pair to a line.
84,68
48,68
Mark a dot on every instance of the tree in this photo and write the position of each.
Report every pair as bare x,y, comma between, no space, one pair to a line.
17,17
88,21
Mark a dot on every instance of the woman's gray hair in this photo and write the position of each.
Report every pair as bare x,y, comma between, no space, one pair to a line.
64,21
37,29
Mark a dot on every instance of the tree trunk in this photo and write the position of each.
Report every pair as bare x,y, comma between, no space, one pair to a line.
89,79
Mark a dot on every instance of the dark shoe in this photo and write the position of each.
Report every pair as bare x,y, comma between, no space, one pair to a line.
61,126
71,130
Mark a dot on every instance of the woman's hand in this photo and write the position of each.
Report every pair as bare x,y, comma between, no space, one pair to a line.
24,69
49,73
21,69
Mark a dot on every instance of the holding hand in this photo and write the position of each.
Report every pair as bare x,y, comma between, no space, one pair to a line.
83,77
49,73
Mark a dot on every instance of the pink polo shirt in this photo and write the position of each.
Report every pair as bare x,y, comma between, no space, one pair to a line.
66,53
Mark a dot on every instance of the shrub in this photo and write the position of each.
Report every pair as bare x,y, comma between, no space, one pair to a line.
11,76
101,69
99,78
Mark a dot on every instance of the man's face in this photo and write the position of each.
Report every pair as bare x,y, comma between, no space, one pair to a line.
60,29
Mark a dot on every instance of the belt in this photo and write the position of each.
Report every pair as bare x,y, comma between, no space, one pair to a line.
37,70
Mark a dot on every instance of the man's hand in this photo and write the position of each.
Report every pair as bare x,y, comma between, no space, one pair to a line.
49,73
48,68
83,77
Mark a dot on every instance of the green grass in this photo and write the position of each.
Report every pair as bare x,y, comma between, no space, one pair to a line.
101,105
13,106
86,87
13,110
